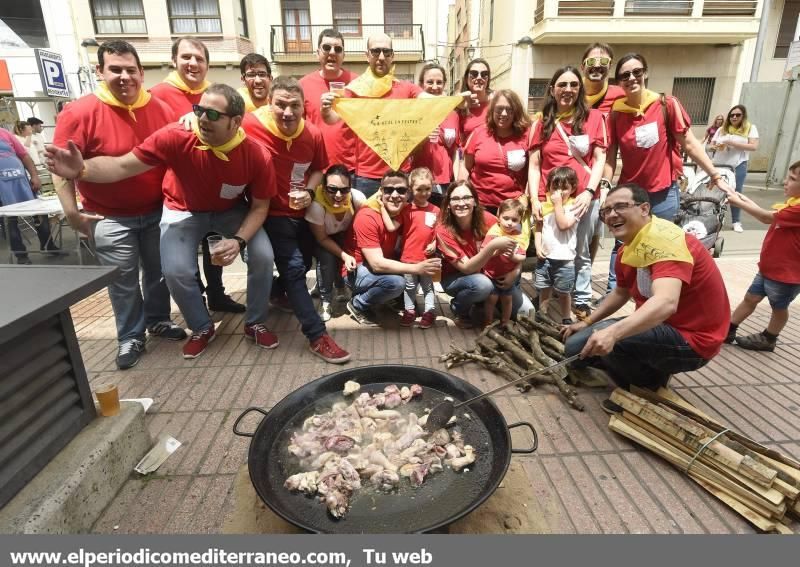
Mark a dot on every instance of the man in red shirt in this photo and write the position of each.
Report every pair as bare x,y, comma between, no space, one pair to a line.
595,65
378,277
210,170
257,78
340,141
682,311
183,88
298,154
121,218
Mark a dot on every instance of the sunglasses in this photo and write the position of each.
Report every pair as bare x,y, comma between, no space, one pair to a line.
735,115
211,114
333,189
597,62
637,73
256,75
399,189
326,47
376,51
482,74
618,208
570,84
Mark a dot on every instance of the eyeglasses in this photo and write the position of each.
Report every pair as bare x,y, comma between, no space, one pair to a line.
482,74
466,200
326,47
256,75
637,73
210,113
617,208
376,51
735,115
399,189
570,84
333,189
597,62
500,109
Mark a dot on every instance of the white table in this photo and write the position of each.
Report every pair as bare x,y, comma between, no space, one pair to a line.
47,206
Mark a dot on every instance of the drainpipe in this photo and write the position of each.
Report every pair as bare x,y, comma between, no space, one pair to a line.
762,34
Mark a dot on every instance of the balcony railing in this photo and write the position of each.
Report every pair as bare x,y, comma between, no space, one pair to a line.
585,7
538,14
658,7
408,40
730,7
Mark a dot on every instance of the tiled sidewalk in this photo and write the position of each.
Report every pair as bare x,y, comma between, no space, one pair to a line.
584,478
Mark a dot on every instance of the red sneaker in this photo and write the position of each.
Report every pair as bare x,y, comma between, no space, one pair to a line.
262,336
327,349
427,320
408,318
197,343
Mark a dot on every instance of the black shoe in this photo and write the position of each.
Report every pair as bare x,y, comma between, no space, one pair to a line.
129,353
24,260
397,304
225,304
361,317
731,337
611,408
167,330
756,341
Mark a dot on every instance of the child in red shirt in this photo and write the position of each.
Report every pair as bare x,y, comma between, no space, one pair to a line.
419,243
509,223
778,276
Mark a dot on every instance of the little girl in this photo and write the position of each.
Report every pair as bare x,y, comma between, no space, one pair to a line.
419,243
510,215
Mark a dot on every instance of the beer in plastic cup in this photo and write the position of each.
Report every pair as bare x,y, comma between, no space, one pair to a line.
108,398
336,87
294,197
214,242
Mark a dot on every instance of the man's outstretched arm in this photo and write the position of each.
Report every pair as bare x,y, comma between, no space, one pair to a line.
69,164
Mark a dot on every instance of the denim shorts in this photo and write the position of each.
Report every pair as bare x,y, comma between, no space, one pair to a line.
558,274
780,294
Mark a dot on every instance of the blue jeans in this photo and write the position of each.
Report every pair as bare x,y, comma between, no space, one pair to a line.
329,270
180,235
17,245
469,289
647,359
366,185
293,243
583,257
372,290
779,294
410,295
128,243
741,173
558,274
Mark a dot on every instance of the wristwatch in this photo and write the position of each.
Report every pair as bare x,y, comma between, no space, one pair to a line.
605,184
242,243
591,191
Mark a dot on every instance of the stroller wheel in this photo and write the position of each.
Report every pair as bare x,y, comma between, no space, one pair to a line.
718,245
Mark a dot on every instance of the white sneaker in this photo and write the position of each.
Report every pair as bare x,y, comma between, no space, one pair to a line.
737,227
325,311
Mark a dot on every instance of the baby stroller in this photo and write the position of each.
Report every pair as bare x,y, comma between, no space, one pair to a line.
702,209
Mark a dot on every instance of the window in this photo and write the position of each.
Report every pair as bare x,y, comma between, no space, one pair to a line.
695,95
297,26
194,16
22,25
347,16
791,8
537,89
397,17
118,16
241,18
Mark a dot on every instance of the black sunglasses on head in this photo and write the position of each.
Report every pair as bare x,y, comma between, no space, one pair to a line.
326,47
210,113
399,189
376,51
481,74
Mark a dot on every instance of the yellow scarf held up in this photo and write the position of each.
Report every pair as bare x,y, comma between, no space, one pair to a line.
658,241
106,96
790,202
591,100
524,236
743,130
175,80
219,151
369,85
319,197
265,116
548,207
249,105
648,98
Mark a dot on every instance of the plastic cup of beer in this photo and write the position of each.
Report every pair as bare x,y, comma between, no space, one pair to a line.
433,137
437,277
337,87
295,197
108,398
214,243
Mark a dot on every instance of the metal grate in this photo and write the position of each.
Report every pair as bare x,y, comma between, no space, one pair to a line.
537,89
730,7
586,7
658,7
695,94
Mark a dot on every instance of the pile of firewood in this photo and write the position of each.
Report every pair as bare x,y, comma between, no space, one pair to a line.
759,483
522,347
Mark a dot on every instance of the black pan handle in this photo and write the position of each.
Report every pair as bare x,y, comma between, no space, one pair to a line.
241,417
512,426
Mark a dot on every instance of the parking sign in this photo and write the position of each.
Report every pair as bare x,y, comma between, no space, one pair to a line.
51,71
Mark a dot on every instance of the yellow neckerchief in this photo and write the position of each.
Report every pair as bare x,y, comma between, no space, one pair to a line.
105,95
591,100
790,202
265,116
743,130
319,197
175,80
374,202
561,116
648,98
219,151
523,238
658,241
249,105
371,86
549,208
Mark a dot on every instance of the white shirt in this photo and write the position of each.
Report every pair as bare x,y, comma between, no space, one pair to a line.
559,244
732,156
37,143
317,214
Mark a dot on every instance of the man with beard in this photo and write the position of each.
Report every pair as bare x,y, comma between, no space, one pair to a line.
257,77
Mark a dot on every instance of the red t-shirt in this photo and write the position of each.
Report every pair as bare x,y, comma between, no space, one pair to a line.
291,166
499,264
612,94
368,163
703,314
197,180
646,162
780,253
368,231
500,169
438,156
555,153
471,120
179,101
340,141
455,249
102,130
419,225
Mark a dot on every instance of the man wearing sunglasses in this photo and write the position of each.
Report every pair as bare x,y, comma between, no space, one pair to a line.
379,277
595,65
257,77
298,154
340,141
209,171
682,311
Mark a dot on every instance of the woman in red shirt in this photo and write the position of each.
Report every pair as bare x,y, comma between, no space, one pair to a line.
477,77
496,155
